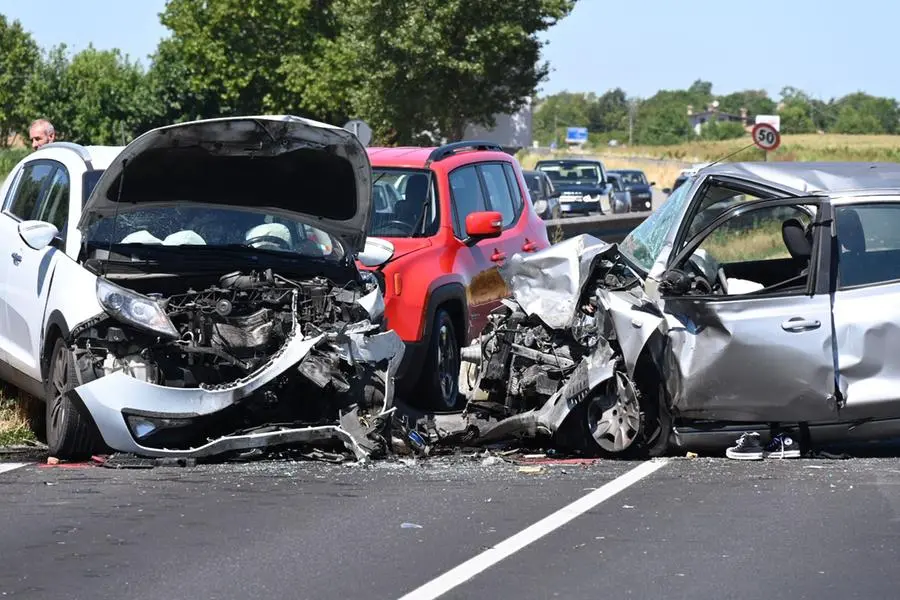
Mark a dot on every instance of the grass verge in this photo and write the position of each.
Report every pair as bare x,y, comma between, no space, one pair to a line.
14,425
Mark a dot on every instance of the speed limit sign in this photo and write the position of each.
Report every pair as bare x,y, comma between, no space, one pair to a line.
765,136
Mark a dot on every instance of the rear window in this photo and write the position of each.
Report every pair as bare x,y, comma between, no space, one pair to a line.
572,172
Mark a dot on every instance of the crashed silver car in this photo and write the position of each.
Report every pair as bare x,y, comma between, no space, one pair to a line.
208,300
759,297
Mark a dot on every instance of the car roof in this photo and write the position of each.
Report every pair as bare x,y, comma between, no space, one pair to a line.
814,177
591,161
625,171
95,157
419,157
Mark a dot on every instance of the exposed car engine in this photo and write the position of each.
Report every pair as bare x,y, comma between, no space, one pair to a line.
240,324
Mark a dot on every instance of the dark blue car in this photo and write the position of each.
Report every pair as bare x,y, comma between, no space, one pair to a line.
641,190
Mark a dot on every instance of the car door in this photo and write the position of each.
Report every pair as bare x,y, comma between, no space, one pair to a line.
479,262
41,192
867,307
761,348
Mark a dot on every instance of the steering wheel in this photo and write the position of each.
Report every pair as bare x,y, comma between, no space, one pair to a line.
394,223
267,241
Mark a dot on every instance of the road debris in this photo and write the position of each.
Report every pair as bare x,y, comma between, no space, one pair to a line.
410,526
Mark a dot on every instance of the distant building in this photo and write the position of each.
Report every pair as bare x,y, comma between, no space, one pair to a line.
712,113
512,132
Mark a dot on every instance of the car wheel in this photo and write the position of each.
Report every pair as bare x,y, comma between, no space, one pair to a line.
440,379
614,416
71,434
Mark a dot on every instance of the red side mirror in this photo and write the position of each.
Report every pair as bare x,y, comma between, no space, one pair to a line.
486,224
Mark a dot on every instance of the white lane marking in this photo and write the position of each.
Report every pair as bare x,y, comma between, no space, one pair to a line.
4,467
481,562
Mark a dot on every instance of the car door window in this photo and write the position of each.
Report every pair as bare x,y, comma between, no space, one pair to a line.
499,196
26,197
868,238
516,192
767,250
54,208
714,200
467,196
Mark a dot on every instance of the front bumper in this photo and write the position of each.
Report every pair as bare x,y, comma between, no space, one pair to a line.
579,206
641,203
113,399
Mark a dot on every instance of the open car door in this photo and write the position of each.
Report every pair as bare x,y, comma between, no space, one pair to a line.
750,315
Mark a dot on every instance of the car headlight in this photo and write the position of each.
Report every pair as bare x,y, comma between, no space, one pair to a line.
134,309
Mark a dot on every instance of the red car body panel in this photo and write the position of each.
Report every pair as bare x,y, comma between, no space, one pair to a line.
423,266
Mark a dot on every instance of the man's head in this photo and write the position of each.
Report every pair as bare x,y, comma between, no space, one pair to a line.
41,132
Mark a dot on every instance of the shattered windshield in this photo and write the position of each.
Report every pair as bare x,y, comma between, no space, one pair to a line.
404,204
645,241
211,227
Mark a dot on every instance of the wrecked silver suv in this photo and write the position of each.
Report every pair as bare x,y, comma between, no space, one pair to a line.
215,304
759,297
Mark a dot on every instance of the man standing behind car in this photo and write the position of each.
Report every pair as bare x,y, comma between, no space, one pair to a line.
41,132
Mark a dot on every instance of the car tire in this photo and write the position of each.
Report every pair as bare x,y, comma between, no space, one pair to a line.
439,382
71,433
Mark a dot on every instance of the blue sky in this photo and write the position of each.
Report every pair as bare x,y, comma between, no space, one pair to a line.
825,47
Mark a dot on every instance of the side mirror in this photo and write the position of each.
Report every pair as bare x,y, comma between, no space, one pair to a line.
652,183
667,190
376,252
37,234
483,225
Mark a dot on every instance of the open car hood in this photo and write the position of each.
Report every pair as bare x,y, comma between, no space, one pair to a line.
283,164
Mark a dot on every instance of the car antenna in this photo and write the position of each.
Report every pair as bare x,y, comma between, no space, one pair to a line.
112,235
717,161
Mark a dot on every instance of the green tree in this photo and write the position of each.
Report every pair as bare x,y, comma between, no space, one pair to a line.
439,65
97,97
722,130
560,111
862,113
237,56
757,102
19,56
662,119
609,112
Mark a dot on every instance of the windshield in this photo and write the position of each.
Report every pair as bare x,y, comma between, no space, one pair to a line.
404,203
633,177
212,227
571,173
645,241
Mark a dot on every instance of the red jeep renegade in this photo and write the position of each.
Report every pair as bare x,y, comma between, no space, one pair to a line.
445,219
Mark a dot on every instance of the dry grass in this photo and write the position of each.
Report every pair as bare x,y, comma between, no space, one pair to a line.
14,423
761,242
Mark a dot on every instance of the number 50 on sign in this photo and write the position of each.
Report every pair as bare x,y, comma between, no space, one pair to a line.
765,136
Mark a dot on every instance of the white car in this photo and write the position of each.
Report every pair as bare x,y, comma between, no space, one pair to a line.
196,292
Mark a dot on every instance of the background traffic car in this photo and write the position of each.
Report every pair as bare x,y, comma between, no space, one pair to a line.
582,184
465,212
190,306
543,195
635,181
620,201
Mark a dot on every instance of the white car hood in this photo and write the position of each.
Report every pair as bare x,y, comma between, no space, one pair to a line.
284,164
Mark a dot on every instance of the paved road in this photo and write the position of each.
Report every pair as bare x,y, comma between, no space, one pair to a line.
694,528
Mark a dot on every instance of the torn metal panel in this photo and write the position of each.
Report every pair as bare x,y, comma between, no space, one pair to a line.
549,283
867,327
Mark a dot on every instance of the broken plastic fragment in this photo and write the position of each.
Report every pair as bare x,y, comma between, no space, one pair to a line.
410,526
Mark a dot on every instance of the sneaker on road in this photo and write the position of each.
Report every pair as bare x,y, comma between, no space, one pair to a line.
746,448
782,446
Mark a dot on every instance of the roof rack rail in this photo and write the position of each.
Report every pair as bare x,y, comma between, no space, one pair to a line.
80,150
452,148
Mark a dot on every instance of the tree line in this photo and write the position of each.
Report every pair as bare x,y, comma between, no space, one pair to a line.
663,118
413,69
